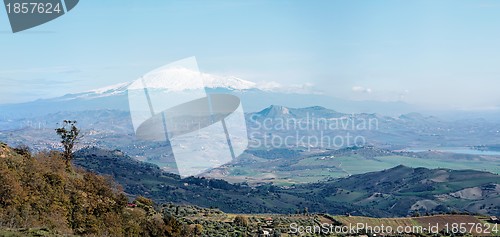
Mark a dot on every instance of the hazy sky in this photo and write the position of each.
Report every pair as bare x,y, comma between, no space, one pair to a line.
432,53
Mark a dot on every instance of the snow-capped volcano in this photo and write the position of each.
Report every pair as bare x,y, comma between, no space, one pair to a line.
178,80
253,96
231,82
111,89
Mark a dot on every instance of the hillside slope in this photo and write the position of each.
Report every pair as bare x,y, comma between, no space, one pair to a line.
41,192
403,190
139,178
399,191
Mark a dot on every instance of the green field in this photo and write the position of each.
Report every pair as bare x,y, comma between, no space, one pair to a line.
306,169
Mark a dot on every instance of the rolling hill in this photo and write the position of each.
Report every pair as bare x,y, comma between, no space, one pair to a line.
398,191
283,166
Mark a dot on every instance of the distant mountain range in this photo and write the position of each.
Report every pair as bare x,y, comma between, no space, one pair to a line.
398,124
112,129
406,130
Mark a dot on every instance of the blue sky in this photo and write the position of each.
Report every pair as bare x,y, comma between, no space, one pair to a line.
431,53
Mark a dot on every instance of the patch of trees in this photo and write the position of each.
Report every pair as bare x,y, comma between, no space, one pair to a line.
45,191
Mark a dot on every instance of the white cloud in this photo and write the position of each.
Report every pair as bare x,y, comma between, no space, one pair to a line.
306,88
402,95
269,85
360,89
42,70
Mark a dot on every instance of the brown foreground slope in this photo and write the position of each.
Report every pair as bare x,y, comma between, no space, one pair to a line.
40,191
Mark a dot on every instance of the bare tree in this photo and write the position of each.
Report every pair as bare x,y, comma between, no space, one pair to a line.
69,134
